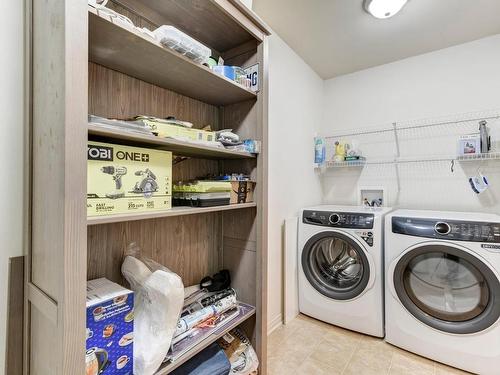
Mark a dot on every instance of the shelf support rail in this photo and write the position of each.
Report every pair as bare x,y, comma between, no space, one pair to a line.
340,134
398,155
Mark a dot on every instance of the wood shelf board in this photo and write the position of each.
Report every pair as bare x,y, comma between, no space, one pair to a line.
165,369
179,148
202,20
175,211
129,52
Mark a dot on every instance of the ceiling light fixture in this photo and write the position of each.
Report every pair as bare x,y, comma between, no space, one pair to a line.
384,8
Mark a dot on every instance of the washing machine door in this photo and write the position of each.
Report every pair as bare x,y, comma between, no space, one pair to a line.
336,265
447,287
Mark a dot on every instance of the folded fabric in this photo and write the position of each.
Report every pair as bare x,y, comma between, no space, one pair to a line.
211,361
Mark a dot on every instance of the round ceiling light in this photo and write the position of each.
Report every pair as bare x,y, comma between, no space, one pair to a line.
384,8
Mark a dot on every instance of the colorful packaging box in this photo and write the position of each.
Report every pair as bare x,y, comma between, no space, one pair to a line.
110,329
124,179
242,192
469,144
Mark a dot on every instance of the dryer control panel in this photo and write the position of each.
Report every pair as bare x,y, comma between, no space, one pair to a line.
348,220
471,231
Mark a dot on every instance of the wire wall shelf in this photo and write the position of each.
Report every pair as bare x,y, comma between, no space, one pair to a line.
403,160
403,134
480,157
343,164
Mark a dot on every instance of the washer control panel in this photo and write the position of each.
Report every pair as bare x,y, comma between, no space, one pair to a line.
348,220
471,231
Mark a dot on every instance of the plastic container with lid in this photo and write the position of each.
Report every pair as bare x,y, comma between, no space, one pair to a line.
201,199
171,37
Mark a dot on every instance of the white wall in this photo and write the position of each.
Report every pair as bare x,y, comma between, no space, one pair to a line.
248,3
456,80
11,148
295,104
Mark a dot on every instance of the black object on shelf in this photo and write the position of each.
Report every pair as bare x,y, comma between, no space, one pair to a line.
220,281
200,202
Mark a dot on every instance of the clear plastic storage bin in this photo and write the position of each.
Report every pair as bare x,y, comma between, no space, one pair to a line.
173,38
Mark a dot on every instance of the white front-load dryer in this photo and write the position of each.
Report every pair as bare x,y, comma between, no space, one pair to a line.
443,287
340,265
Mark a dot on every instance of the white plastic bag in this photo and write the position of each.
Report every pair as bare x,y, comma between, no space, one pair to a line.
159,297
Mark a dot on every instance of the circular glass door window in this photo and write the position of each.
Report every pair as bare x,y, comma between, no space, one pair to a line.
448,289
335,265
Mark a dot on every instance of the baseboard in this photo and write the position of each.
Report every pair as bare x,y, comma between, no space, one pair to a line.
274,324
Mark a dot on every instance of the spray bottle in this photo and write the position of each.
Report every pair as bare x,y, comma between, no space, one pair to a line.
485,138
319,150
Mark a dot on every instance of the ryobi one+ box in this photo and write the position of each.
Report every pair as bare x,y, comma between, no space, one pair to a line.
124,179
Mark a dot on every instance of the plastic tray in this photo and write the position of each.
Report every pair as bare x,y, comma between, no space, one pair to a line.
171,37
201,199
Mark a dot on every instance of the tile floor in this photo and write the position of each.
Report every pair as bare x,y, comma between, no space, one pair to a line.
307,346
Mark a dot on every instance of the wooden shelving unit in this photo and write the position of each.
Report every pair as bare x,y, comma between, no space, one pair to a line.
179,148
82,62
130,52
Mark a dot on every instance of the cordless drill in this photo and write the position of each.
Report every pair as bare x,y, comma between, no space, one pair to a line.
117,173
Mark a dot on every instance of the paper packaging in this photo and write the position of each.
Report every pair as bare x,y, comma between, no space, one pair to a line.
165,130
124,179
469,144
110,328
242,191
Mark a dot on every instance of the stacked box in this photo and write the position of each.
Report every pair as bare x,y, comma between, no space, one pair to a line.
110,328
201,193
242,191
124,179
166,130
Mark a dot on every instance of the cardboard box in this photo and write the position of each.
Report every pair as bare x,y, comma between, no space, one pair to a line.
124,179
242,191
469,144
175,131
110,328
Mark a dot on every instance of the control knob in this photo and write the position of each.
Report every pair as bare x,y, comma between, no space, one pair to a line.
442,228
334,218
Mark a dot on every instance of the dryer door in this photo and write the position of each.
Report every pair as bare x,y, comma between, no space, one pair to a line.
447,288
336,265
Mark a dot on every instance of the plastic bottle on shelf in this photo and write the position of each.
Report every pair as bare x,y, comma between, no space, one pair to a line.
319,150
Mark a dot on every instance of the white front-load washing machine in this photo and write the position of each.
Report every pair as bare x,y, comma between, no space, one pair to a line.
443,287
340,263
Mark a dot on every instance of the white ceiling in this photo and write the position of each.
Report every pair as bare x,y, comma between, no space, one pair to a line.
337,37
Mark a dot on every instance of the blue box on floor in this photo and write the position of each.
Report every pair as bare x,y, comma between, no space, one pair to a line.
110,329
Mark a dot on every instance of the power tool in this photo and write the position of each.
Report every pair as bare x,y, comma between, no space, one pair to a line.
147,185
117,173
